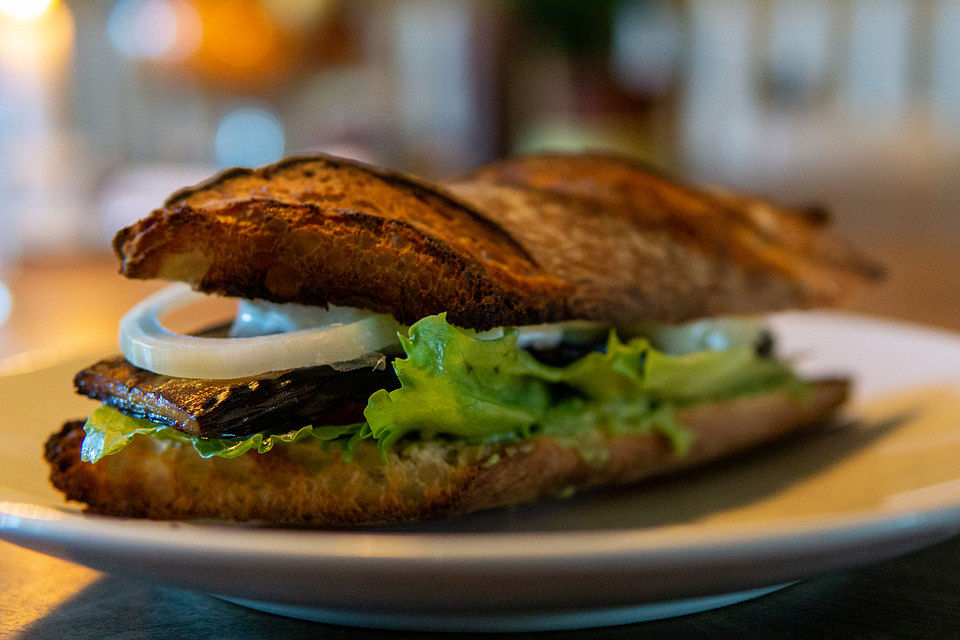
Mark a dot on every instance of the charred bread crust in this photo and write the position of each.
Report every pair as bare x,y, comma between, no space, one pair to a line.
746,230
321,229
309,486
602,239
313,255
309,166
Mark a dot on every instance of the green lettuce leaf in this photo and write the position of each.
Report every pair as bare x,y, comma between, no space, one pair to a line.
108,431
457,384
454,383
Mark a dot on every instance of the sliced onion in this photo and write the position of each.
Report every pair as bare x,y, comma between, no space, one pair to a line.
547,336
149,345
261,318
704,335
700,335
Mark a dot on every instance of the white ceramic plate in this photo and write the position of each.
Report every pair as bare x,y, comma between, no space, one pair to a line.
883,485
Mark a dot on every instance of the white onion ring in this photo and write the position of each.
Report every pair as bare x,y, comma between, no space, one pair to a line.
547,336
149,345
704,335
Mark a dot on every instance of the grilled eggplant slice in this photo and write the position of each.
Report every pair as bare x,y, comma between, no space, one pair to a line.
229,408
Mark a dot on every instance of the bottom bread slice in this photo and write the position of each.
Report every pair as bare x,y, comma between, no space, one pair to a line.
305,484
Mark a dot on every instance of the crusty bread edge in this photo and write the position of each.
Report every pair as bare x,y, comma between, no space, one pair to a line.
424,481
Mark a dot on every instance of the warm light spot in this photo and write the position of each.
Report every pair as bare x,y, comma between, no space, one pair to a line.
37,50
241,43
25,9
46,584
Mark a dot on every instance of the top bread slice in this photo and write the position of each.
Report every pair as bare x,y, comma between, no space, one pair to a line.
535,239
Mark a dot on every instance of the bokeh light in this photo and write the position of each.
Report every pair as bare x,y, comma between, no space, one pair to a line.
249,137
5,301
168,30
26,9
242,45
33,54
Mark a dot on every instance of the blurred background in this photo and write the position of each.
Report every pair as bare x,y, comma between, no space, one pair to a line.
106,106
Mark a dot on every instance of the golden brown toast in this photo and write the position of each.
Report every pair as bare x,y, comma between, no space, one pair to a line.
304,484
323,229
535,239
744,229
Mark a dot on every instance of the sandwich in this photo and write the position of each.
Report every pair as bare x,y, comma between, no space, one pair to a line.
405,350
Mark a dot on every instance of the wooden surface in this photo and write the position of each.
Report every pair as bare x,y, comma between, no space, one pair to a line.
63,303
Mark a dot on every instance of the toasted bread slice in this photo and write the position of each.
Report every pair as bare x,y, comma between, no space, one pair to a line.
322,229
305,485
746,230
536,239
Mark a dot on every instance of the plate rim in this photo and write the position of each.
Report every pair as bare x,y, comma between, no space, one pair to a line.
20,520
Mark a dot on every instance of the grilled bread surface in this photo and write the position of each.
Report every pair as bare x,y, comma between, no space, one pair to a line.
323,229
534,239
304,484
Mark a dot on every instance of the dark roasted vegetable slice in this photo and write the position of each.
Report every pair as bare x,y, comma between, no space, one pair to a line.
231,408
